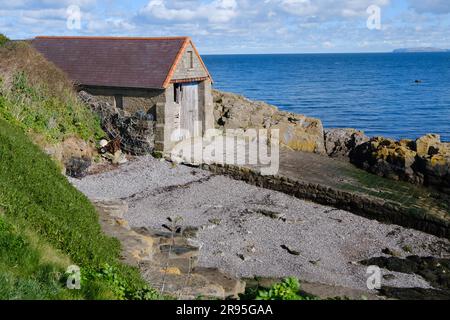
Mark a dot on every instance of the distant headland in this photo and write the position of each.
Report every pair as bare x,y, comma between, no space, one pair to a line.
420,49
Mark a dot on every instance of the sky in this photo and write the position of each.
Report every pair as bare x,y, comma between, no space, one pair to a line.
242,26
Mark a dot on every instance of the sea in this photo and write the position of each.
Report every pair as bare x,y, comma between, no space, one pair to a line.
395,95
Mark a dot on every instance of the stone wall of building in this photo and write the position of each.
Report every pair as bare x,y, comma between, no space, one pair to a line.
187,71
165,120
134,100
158,106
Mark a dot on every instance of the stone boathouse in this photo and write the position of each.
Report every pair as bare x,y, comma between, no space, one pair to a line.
164,77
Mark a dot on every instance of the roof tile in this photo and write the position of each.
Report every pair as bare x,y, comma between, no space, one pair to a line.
114,62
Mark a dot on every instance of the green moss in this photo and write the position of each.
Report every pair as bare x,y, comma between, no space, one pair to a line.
416,200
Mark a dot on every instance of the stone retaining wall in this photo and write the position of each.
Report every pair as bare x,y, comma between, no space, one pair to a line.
366,206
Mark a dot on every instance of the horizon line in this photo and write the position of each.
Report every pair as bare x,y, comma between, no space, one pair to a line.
306,53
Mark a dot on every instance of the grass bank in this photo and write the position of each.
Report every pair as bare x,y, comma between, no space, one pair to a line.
46,225
38,97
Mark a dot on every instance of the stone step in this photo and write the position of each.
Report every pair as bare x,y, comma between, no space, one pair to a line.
232,286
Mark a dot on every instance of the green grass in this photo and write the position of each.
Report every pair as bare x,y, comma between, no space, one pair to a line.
46,225
39,98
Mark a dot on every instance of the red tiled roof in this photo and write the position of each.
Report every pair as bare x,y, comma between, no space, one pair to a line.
115,62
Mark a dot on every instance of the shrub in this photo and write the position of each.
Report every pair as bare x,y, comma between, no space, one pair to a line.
288,289
3,39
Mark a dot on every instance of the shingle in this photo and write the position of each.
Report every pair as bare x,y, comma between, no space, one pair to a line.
113,62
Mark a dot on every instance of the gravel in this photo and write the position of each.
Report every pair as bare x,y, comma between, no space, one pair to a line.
249,231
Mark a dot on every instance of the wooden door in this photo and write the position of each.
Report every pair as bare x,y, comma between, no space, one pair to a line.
189,115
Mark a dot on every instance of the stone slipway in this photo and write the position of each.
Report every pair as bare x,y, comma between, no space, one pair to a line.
341,185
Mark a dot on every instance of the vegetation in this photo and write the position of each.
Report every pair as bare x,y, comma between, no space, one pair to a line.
3,39
47,225
288,289
39,98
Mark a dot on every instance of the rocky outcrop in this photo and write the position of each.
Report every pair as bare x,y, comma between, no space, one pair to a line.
433,161
297,132
424,161
387,158
340,142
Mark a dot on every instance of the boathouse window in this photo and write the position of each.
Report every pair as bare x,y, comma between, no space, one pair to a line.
118,101
191,59
177,92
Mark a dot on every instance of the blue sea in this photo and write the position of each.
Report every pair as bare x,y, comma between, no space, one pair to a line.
376,92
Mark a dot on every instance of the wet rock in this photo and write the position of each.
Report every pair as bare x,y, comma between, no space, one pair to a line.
340,142
415,293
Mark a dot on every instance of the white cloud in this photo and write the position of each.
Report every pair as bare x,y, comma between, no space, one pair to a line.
431,6
218,11
326,9
227,26
32,4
